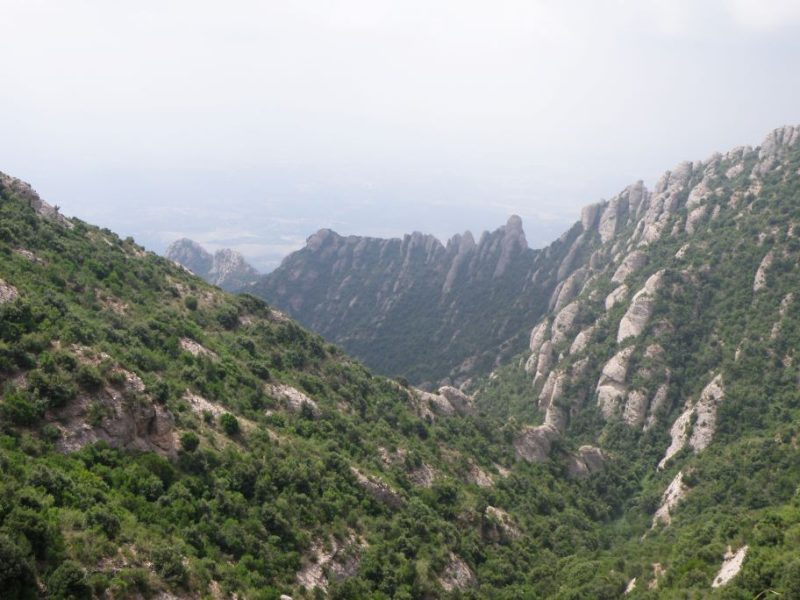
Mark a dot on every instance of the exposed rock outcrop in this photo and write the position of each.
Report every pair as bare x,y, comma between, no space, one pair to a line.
630,264
731,565
760,279
617,295
457,575
641,308
587,461
24,191
675,492
293,399
581,340
195,348
564,321
8,293
124,416
330,562
499,526
611,387
382,492
533,443
704,414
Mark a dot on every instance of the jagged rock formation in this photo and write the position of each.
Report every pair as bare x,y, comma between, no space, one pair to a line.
435,313
226,268
675,492
696,424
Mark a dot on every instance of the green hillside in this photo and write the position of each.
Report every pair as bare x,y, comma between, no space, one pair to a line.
164,439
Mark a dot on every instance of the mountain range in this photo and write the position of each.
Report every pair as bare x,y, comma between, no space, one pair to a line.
638,438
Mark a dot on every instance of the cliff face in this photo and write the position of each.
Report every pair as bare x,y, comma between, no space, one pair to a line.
435,313
651,294
226,268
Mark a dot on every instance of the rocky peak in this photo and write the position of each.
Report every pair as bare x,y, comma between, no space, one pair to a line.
226,268
24,191
191,255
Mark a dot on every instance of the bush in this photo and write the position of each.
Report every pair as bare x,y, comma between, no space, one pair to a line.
190,441
169,564
103,518
230,424
16,574
68,582
190,302
19,408
89,377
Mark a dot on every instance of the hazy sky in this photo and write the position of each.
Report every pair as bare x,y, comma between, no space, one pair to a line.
253,124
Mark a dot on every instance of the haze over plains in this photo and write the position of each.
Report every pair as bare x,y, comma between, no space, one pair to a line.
253,124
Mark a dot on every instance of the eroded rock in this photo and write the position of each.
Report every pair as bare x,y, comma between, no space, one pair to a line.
675,492
616,296
611,385
640,310
760,279
457,575
293,399
731,565
587,461
630,264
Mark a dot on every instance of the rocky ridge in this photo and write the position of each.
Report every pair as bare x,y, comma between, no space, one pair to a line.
226,268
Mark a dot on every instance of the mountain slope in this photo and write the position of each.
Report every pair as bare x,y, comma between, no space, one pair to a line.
678,356
226,268
434,313
162,438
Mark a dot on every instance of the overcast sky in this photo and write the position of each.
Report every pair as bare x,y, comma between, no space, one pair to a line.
253,124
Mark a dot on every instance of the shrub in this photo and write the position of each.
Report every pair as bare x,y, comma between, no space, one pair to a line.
20,409
169,564
190,441
230,424
68,582
104,519
89,377
16,574
190,302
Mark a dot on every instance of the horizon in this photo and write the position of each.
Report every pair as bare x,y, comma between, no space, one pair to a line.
252,128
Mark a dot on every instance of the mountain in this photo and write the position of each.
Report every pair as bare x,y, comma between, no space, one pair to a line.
160,437
435,314
226,268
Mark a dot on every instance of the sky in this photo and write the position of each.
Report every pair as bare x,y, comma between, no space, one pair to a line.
252,124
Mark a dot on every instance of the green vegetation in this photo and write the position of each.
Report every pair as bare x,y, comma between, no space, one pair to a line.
148,442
